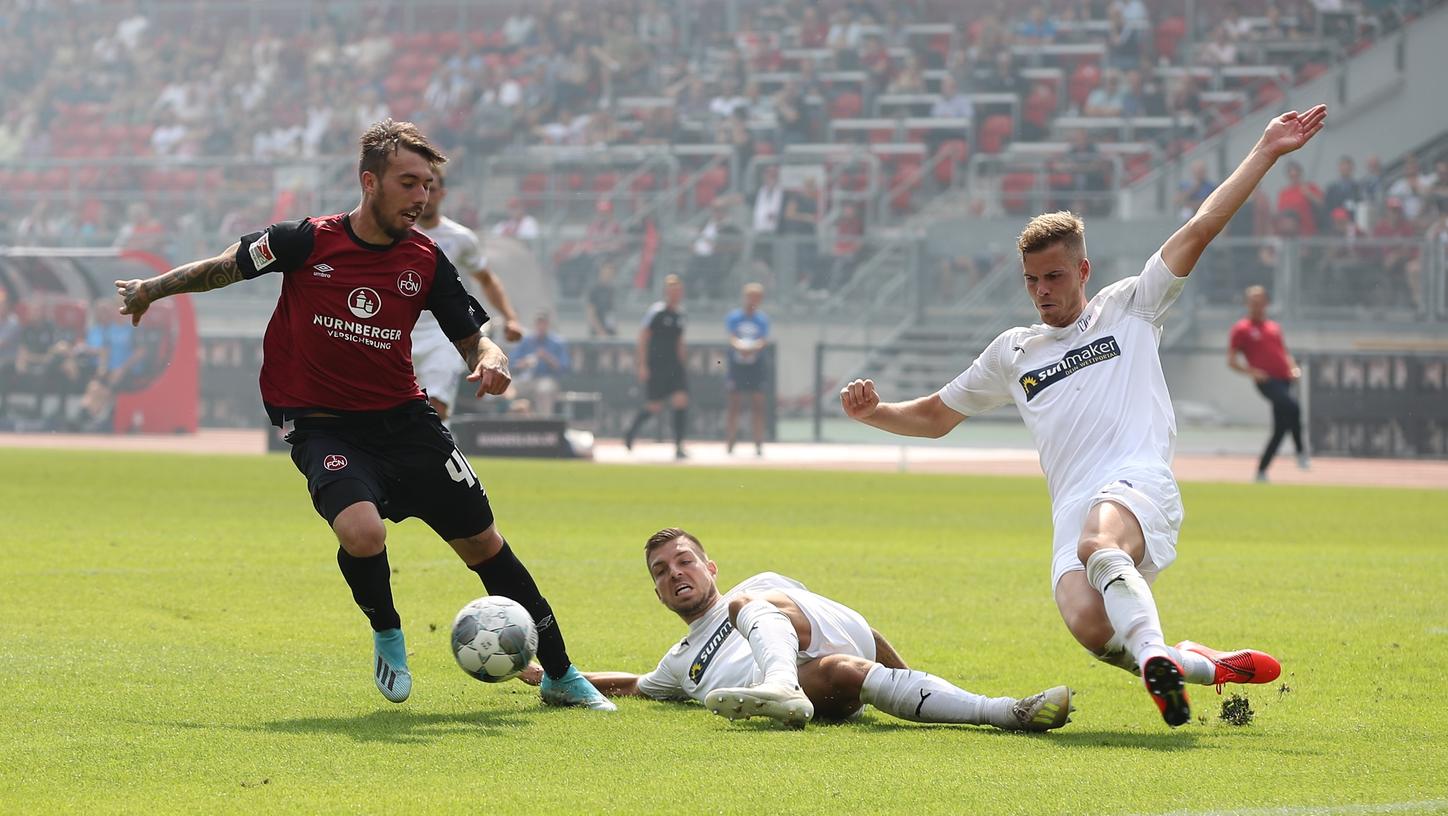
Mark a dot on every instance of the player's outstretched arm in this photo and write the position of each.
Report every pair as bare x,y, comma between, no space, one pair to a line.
498,298
613,684
488,363
926,416
1283,135
198,276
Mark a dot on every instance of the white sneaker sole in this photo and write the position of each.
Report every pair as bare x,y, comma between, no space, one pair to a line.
743,703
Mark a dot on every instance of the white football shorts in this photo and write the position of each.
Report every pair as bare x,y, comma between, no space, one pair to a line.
836,628
438,368
1157,505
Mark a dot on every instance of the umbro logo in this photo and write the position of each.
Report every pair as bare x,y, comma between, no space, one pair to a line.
323,270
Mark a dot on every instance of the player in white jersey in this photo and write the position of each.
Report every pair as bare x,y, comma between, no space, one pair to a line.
771,648
1089,384
434,359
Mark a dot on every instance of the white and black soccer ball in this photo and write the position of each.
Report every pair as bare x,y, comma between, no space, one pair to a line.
493,638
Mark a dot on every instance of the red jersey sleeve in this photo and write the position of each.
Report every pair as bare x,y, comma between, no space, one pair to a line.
282,247
457,312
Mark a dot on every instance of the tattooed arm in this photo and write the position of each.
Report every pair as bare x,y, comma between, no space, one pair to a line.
488,363
197,276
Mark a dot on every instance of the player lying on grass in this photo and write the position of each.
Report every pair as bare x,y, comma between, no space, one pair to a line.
771,648
1088,382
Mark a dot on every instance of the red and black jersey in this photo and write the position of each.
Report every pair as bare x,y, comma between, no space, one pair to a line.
341,336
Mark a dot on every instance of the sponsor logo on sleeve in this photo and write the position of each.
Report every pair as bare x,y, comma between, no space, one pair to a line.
1036,381
261,252
705,656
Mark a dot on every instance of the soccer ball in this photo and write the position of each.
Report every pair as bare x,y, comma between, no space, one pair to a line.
494,638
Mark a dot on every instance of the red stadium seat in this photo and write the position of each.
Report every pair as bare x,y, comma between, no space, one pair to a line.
1310,71
604,183
847,105
903,184
643,183
884,135
1268,94
1085,79
995,132
1137,166
1040,105
1169,33
1016,191
711,181
947,169
531,189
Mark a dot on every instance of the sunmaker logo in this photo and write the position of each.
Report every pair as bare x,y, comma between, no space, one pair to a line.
711,648
1034,382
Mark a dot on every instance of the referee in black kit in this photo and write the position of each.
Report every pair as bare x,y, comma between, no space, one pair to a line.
661,364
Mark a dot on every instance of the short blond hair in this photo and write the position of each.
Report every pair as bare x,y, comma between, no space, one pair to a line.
753,288
1048,229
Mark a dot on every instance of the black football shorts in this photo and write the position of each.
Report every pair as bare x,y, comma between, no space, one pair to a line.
404,461
665,379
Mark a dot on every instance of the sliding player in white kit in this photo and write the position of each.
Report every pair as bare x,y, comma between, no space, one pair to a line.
1089,385
434,359
771,648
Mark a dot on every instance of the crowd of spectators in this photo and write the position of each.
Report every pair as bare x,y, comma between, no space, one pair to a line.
1374,228
141,79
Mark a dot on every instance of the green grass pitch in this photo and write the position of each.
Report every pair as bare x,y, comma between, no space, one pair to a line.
175,637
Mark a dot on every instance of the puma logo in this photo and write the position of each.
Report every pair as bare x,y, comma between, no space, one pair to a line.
924,695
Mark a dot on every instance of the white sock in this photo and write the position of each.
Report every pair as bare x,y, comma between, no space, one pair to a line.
773,641
1115,654
920,697
1196,669
1129,604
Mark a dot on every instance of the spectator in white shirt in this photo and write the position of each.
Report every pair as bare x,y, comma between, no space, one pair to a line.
519,224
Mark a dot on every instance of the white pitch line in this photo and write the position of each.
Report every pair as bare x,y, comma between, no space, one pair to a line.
1423,806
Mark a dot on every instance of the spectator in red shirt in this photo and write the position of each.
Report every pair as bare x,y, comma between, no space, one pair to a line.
1255,348
1301,197
1397,253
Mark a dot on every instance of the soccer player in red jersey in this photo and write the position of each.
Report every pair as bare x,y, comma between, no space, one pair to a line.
1255,348
337,373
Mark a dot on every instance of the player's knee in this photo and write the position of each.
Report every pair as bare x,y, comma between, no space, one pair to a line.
1090,544
1091,628
360,530
738,602
846,673
476,549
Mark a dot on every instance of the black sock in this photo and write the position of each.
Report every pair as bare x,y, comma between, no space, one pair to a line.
638,422
681,418
505,575
371,582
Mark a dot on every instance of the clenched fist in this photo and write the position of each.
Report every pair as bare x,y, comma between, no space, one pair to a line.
859,399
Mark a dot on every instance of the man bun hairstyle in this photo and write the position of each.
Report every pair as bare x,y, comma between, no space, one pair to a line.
382,141
1048,229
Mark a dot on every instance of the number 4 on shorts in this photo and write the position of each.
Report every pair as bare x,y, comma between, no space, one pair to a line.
459,469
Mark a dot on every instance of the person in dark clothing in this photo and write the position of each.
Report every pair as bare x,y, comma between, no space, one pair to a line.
1255,348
